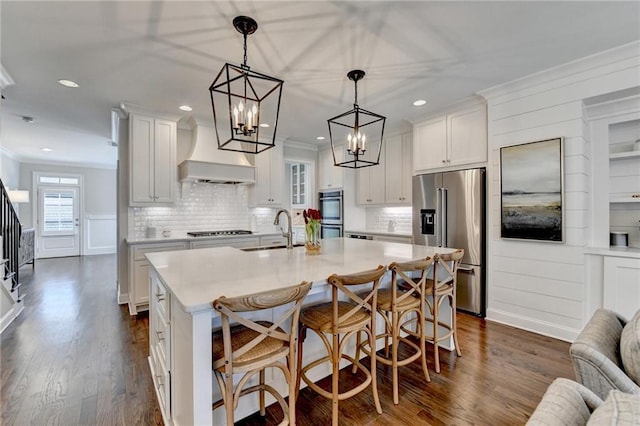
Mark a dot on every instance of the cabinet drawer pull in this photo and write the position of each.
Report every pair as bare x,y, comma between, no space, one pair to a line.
160,334
160,297
160,380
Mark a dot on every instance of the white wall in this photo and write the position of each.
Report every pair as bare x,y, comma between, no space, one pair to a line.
539,286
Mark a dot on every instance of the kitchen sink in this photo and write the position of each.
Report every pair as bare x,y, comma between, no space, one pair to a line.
282,246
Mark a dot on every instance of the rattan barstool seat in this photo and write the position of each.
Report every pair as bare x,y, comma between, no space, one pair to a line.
385,297
268,349
319,318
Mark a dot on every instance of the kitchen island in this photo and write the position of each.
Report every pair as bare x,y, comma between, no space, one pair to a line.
183,285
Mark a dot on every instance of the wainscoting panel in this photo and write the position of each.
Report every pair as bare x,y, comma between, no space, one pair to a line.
100,234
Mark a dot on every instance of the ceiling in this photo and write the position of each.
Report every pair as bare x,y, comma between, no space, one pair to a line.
163,54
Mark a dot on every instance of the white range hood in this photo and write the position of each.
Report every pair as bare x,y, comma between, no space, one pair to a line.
206,163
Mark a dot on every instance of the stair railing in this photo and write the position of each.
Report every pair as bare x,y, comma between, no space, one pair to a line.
11,230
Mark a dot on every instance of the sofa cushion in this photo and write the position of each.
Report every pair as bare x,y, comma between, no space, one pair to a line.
618,409
630,348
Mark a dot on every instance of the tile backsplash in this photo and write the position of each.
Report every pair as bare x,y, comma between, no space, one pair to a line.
204,207
378,219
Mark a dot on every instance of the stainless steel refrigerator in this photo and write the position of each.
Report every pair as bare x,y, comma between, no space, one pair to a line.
449,211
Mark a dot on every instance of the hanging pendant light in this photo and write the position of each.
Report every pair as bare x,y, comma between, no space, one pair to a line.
245,103
359,130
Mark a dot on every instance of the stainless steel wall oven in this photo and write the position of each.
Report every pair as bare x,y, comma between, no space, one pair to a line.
332,212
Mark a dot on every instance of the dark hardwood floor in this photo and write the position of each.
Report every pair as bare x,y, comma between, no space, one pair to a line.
75,357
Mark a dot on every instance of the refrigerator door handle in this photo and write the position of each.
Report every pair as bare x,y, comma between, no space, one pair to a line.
465,269
443,217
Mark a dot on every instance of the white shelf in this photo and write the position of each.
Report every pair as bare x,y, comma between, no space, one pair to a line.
627,199
624,155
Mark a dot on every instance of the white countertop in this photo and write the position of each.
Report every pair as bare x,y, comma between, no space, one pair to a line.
197,277
631,252
182,236
385,233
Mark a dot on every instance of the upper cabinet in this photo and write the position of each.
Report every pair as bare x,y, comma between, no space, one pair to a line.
269,189
455,139
397,163
370,181
331,177
152,160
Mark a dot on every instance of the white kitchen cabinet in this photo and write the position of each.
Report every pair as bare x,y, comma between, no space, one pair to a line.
237,242
152,160
139,272
331,177
160,344
370,181
398,166
455,139
268,190
621,290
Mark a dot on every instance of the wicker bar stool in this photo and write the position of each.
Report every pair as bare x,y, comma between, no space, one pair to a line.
346,318
395,304
250,347
441,286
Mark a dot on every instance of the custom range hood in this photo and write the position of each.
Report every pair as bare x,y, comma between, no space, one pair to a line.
206,163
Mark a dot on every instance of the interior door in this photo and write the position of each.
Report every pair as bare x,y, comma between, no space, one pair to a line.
58,222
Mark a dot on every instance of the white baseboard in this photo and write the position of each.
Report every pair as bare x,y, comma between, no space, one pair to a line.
11,315
540,327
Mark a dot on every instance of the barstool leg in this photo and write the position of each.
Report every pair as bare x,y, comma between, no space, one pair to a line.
423,348
436,355
454,324
354,367
394,354
335,364
302,334
374,380
262,406
228,384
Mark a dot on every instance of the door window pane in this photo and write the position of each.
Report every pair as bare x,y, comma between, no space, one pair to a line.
58,212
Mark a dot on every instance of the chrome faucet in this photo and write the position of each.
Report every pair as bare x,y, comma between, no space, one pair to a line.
289,233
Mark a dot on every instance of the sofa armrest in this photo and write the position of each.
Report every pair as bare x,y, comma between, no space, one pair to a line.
565,403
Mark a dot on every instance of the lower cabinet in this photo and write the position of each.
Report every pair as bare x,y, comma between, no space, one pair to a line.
139,272
160,344
226,242
621,292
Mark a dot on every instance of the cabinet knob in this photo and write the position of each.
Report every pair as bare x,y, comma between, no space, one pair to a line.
444,161
160,334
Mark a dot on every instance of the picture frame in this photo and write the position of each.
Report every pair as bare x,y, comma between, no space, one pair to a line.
532,191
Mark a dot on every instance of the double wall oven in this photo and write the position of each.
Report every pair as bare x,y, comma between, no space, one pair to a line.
331,212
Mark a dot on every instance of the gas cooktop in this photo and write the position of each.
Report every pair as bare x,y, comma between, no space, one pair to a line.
218,233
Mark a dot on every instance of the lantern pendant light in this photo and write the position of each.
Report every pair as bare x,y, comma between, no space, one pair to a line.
359,130
246,104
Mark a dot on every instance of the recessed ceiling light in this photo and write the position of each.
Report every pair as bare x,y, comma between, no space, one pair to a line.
47,149
419,102
185,108
68,83
320,138
264,125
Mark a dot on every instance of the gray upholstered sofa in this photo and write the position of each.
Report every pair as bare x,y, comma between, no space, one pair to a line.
568,403
596,354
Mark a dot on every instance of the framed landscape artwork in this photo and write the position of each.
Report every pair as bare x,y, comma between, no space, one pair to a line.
531,191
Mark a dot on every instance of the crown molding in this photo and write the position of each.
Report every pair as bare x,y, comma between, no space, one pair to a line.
288,143
597,60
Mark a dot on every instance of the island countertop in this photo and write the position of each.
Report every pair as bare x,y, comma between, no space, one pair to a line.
197,277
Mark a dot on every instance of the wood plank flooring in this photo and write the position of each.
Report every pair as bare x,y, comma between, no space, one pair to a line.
74,357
